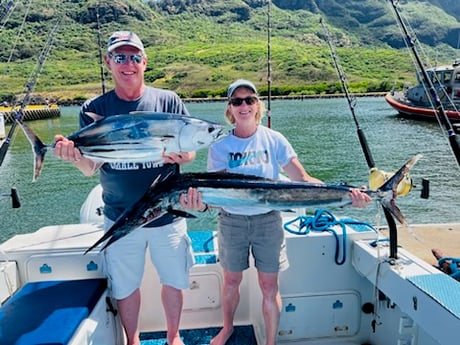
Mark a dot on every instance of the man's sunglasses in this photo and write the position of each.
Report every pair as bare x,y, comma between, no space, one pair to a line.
238,101
123,58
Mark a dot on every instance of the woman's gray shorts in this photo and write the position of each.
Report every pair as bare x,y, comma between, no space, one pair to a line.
263,234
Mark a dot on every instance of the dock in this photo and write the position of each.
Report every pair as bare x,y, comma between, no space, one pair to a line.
31,112
421,238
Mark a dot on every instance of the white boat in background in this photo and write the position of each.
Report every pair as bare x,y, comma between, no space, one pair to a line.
52,293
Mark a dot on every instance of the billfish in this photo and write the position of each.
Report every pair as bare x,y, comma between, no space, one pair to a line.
227,189
133,137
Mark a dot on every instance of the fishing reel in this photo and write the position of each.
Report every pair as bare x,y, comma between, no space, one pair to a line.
378,177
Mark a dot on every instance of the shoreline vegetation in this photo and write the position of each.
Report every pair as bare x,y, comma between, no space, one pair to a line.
264,98
195,47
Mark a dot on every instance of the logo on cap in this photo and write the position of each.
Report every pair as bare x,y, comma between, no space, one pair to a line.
124,38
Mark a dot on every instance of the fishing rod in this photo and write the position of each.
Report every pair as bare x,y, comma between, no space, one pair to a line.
5,8
15,203
101,60
377,177
351,100
28,91
20,31
439,109
269,66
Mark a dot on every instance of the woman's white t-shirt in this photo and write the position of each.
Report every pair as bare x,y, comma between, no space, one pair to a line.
262,154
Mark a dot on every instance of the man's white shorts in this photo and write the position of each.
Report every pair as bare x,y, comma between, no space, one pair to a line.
170,251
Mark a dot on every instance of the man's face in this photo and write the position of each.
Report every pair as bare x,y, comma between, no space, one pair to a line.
127,65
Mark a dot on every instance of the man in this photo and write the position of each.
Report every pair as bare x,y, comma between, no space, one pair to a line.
123,184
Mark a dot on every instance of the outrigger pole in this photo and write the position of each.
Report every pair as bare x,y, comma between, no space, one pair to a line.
428,82
393,231
29,88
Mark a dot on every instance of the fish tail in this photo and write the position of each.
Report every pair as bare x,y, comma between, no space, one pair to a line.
111,240
390,189
39,149
112,234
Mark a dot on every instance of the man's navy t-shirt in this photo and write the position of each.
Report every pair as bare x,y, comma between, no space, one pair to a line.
123,184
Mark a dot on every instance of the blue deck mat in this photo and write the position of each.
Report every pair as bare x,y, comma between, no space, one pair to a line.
203,246
441,288
48,312
242,335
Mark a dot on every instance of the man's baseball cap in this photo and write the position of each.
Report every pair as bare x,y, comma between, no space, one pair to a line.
239,83
124,38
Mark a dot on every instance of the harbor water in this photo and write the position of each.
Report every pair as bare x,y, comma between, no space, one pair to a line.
322,132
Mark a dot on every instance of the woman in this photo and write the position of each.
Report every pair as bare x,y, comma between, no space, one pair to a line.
253,149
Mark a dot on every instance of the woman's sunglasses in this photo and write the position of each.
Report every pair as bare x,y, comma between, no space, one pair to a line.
123,58
238,101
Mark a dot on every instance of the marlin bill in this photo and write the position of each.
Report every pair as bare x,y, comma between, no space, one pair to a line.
133,137
225,189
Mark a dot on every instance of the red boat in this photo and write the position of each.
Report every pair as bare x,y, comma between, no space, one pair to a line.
415,102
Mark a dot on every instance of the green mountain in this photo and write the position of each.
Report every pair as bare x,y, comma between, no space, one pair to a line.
197,47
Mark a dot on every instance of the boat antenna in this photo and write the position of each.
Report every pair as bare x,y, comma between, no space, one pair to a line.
438,107
269,66
28,90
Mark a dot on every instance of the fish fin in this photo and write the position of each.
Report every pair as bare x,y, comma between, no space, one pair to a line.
39,149
391,206
162,178
391,189
140,112
180,213
94,116
393,182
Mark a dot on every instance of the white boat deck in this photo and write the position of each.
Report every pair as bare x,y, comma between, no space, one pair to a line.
323,302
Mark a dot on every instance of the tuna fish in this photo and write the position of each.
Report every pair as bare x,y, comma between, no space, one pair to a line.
134,137
225,189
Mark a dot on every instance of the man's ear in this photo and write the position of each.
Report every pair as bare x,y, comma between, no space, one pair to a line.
107,62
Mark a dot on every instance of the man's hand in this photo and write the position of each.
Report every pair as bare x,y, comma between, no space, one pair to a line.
359,198
179,158
65,149
193,200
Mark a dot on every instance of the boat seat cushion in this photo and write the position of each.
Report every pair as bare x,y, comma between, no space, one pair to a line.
48,312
